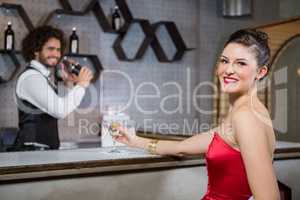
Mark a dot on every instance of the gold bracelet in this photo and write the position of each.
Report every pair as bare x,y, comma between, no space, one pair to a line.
152,146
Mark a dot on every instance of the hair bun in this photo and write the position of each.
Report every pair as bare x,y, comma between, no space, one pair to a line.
258,35
262,36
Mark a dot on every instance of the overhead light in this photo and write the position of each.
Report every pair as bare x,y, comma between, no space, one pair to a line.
298,71
236,8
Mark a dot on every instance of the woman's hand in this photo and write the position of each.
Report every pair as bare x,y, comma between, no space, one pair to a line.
130,140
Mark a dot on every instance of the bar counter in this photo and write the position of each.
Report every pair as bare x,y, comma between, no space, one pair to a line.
39,164
137,168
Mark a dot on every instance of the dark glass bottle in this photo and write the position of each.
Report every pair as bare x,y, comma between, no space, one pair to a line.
72,67
9,38
74,42
68,66
116,19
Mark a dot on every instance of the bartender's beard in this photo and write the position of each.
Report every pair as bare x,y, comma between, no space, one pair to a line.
49,62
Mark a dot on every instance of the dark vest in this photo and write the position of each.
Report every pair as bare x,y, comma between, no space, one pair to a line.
36,125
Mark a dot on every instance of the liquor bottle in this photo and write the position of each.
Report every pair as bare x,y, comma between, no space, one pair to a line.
66,66
72,67
116,19
9,38
74,42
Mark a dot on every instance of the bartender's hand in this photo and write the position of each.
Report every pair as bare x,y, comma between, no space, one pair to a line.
68,78
84,78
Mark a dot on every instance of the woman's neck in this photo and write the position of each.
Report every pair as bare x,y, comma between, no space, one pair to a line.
236,100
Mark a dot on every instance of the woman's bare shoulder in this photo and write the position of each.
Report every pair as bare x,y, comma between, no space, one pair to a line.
255,124
256,115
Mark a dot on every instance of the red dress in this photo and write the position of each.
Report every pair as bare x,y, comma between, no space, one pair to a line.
227,179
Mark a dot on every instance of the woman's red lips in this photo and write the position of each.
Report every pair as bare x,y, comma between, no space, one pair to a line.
229,79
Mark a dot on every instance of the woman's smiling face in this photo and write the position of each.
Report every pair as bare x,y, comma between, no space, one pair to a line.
237,68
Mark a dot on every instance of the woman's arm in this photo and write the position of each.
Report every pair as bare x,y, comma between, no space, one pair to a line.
194,145
255,148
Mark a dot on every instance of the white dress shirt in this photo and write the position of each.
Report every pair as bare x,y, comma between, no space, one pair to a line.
34,87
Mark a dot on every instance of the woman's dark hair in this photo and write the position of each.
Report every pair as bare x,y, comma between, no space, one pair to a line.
36,39
256,39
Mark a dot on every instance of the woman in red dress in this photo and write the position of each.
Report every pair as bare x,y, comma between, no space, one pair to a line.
239,152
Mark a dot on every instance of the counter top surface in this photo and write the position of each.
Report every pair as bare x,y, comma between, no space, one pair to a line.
283,144
91,154
72,155
37,164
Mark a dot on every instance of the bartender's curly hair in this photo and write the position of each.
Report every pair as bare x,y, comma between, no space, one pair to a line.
36,39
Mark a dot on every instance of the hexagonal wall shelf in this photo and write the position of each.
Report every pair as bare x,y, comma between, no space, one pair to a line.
22,13
176,38
95,61
61,12
14,59
171,28
99,13
148,33
95,6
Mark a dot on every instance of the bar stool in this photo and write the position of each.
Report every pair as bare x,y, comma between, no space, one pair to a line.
285,191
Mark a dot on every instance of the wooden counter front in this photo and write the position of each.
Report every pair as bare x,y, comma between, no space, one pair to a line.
22,166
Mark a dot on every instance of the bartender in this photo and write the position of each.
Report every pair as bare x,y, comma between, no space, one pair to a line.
39,104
